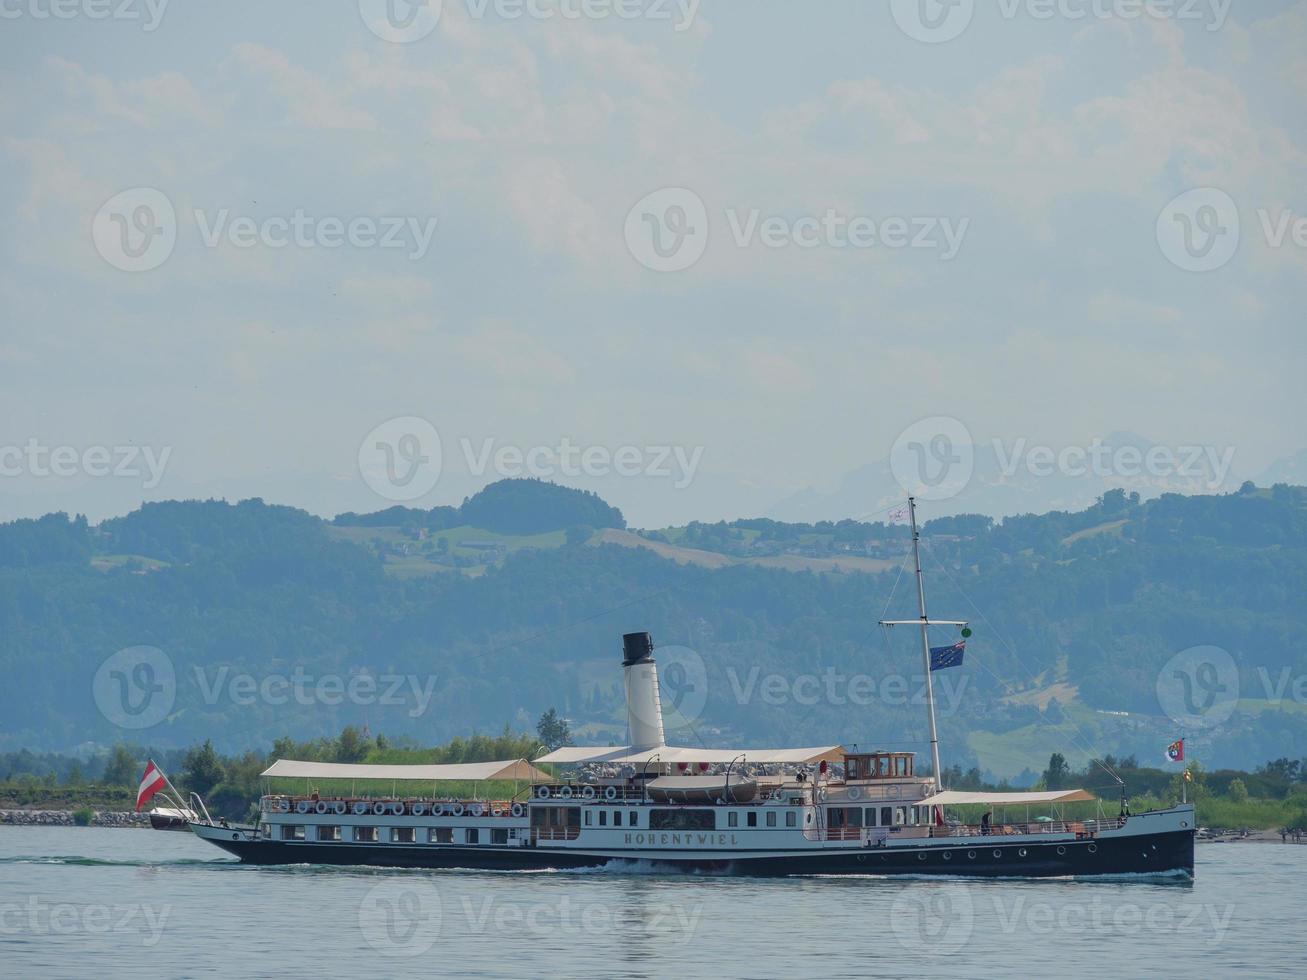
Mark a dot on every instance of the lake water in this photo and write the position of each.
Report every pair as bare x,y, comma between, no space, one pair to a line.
78,902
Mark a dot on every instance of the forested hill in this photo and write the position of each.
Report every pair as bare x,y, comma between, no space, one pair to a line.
266,621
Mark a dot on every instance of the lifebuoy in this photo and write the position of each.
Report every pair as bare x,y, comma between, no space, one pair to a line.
893,792
378,808
302,806
518,809
360,808
542,792
419,809
610,792
456,809
339,807
855,792
588,793
322,806
476,809
565,792
397,809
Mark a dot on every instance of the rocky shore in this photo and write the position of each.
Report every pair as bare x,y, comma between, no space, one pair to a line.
64,818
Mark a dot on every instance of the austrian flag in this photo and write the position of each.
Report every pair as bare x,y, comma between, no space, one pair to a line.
151,783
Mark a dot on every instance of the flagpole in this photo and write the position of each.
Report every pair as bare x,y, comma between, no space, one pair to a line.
925,645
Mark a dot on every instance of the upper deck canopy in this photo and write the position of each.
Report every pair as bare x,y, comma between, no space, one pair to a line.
956,798
476,771
629,755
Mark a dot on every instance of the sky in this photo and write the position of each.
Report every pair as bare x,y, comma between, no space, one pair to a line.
698,257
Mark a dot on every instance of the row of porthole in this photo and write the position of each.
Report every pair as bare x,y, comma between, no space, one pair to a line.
948,855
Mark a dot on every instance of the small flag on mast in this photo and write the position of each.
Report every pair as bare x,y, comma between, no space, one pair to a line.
899,515
151,782
1175,751
950,656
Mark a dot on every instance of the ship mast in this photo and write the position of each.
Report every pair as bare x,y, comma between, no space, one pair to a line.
925,622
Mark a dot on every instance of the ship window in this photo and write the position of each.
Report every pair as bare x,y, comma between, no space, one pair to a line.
366,835
632,818
328,833
791,818
471,836
886,816
682,820
771,818
292,831
441,835
752,819
732,819
401,835
898,816
617,818
603,818
587,818
499,836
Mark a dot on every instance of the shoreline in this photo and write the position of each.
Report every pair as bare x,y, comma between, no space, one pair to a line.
64,818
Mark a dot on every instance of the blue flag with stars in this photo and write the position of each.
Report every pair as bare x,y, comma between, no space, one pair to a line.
950,656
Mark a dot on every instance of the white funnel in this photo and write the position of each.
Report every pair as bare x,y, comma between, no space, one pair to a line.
644,709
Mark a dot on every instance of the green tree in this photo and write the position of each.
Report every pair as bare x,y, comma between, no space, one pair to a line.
553,730
122,768
351,746
202,769
1238,791
1055,776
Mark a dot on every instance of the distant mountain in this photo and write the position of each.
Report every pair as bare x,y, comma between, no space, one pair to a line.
1289,469
1019,477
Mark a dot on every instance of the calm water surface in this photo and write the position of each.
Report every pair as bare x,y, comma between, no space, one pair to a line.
78,902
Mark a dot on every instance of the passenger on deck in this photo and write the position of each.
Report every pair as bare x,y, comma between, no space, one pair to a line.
985,822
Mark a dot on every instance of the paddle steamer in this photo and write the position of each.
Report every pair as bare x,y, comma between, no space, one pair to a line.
807,811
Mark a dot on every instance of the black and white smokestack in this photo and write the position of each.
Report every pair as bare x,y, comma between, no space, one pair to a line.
637,648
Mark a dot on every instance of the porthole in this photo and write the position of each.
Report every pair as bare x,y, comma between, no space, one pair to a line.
997,853
971,854
921,856
1093,848
1022,852
948,855
1061,849
1184,823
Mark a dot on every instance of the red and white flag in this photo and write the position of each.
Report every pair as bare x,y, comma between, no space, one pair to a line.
1175,751
151,783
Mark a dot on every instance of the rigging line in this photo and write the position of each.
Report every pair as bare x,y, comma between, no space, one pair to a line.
1086,743
902,565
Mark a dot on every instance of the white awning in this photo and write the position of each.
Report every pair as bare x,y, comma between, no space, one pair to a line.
506,769
628,755
957,798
